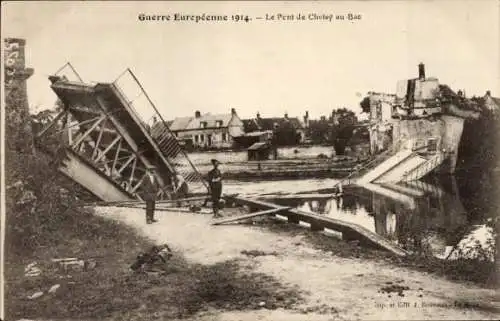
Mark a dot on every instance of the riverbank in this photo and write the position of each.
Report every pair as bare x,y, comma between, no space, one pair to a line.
293,162
328,285
231,272
285,169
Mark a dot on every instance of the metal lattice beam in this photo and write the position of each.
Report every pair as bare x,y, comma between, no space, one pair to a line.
103,130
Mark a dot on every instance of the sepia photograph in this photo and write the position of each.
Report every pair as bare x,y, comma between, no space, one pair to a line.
250,160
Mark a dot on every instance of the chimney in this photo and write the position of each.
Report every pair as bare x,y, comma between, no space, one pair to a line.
306,119
197,114
488,93
233,111
421,71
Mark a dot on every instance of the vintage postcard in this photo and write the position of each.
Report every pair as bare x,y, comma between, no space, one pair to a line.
232,160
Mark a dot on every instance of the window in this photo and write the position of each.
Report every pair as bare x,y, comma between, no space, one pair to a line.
224,137
432,145
196,138
203,124
202,138
219,123
379,111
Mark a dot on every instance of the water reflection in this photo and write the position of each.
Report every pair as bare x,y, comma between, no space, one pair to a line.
421,217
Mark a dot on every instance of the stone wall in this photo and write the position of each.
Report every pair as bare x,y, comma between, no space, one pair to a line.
381,108
451,140
446,130
380,137
17,118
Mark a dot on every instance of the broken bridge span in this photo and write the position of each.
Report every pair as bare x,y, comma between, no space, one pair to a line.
105,144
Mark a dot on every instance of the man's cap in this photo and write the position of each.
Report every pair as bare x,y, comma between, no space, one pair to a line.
215,161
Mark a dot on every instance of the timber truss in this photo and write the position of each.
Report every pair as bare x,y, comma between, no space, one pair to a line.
107,146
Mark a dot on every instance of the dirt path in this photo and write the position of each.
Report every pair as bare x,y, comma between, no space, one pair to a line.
334,288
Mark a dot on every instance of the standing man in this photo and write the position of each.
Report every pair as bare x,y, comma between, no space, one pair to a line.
181,189
215,184
150,187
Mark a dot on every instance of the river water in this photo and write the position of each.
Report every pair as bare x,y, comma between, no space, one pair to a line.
438,217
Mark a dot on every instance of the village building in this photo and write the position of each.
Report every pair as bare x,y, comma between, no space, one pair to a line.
380,121
423,116
490,102
248,139
279,126
207,130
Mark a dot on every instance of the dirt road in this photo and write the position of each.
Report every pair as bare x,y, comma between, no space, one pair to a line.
333,287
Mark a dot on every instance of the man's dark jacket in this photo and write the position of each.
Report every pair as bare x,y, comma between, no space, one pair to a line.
150,188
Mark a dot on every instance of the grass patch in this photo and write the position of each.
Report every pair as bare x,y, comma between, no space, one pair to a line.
111,291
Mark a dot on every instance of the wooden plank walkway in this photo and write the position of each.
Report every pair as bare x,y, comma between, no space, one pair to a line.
350,231
315,196
138,202
250,215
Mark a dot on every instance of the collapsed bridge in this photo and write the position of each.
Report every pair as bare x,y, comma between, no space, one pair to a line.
105,143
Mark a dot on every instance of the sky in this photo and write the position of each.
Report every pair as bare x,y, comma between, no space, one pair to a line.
270,67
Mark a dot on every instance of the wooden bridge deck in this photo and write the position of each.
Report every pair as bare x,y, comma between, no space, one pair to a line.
350,231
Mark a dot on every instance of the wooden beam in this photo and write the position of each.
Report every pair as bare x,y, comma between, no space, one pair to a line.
124,132
131,203
79,124
120,158
251,215
138,183
94,153
107,148
130,159
69,130
94,126
320,222
131,179
301,196
113,168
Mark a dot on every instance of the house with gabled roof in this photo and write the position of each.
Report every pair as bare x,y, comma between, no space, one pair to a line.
208,130
490,102
276,124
